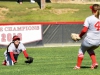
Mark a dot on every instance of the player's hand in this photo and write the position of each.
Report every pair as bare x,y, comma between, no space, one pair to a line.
15,62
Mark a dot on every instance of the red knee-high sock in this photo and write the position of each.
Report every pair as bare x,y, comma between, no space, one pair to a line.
93,58
79,59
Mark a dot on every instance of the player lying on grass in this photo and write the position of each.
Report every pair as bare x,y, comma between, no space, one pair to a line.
13,51
92,39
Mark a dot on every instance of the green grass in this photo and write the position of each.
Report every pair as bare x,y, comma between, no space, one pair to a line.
50,61
28,12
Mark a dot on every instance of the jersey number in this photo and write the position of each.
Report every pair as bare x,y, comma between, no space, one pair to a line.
97,26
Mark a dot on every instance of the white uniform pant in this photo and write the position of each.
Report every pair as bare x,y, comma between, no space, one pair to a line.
89,45
9,60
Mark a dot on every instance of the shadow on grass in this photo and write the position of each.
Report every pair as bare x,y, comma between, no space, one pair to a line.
85,67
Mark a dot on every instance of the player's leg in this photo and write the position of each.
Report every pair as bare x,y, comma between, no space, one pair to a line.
84,46
80,57
20,1
8,60
93,57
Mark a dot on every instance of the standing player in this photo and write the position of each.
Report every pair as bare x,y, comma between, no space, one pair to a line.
13,51
92,39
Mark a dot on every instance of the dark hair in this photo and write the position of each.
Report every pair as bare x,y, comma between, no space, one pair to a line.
94,5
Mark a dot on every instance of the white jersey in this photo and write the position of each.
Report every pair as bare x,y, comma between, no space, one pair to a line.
93,25
12,48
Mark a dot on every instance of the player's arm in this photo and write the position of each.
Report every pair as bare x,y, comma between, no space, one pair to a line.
12,57
84,30
24,51
25,54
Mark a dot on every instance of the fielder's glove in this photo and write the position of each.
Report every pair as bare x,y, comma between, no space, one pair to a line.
29,60
75,37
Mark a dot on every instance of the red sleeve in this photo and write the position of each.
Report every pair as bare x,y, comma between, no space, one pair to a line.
25,53
12,56
84,30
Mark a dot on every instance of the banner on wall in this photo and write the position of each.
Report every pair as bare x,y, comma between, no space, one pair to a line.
27,33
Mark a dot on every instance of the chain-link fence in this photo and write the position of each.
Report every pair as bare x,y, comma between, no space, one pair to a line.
58,35
53,34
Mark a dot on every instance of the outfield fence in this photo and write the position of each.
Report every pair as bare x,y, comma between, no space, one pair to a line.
51,33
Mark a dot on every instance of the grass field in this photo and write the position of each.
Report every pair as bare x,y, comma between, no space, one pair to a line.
51,61
48,60
28,12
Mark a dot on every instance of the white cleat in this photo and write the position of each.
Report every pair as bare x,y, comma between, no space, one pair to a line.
76,68
94,66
